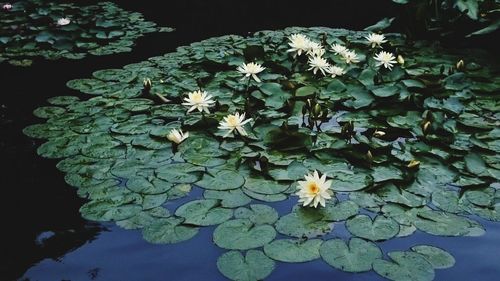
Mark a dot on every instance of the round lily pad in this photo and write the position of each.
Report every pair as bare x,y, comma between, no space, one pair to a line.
378,229
243,234
356,256
290,250
168,231
252,267
405,266
203,212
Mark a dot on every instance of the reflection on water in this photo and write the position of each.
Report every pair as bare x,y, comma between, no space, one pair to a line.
119,254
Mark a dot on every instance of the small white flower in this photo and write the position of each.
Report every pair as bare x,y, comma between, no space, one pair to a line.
376,39
177,136
350,57
63,21
378,133
314,190
251,69
335,71
299,44
318,63
7,6
339,49
386,59
315,49
234,122
199,100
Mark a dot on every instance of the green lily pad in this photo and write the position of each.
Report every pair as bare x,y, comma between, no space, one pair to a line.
304,222
378,229
439,258
168,231
290,250
252,267
222,180
243,234
357,256
203,212
405,266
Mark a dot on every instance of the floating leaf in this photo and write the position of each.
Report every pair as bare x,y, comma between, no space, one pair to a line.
378,229
252,267
357,256
290,250
203,212
168,231
242,234
405,266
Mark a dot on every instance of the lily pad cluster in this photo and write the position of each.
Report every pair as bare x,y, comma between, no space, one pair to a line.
412,149
33,28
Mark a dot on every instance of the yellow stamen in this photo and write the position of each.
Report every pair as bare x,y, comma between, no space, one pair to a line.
313,188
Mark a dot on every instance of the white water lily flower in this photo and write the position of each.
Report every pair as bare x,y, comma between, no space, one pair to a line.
177,136
251,69
335,71
299,44
315,49
314,190
339,49
234,122
63,21
7,6
350,57
318,63
386,59
376,39
199,100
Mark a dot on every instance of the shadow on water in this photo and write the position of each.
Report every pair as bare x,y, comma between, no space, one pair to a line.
45,237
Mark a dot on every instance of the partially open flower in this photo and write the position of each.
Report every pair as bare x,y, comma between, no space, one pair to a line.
63,21
386,59
335,71
339,49
318,63
299,44
200,100
234,122
177,136
315,49
350,57
413,164
7,7
378,133
314,190
401,60
251,69
146,83
376,39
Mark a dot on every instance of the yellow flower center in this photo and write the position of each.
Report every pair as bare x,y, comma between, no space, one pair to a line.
233,121
313,188
197,98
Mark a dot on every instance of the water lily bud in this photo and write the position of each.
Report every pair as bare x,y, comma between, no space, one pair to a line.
378,133
146,83
425,127
460,65
369,157
304,110
317,110
413,164
309,103
401,60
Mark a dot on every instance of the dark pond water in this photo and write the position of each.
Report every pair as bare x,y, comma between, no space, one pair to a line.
44,237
